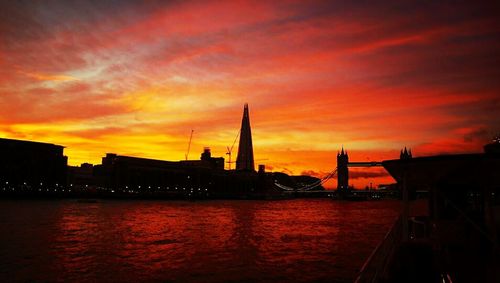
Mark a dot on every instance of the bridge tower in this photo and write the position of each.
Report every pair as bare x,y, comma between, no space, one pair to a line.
405,154
342,171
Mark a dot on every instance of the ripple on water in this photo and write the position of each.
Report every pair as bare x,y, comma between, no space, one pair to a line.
212,241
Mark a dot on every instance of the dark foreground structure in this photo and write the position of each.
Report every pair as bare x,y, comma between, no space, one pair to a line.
456,237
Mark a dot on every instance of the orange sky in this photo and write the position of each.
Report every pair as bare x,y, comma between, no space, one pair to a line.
134,78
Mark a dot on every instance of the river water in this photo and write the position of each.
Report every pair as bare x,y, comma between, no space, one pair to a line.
203,241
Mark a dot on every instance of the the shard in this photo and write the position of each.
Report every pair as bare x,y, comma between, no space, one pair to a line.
244,161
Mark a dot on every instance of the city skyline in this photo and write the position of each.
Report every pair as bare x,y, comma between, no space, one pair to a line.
135,79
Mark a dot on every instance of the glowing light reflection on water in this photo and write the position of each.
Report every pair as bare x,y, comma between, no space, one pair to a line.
209,241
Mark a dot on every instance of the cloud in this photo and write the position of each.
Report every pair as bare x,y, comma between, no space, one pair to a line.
367,174
480,133
46,77
313,173
96,133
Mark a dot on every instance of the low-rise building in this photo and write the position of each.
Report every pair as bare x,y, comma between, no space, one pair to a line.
28,163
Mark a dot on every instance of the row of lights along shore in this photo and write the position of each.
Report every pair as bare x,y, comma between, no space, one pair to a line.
86,187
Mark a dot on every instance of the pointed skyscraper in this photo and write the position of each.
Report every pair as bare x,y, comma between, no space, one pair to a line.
244,161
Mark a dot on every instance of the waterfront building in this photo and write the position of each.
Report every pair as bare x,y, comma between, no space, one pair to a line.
127,172
204,178
80,176
206,160
29,163
124,175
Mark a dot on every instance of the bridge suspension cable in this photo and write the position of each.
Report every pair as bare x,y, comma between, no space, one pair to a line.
309,186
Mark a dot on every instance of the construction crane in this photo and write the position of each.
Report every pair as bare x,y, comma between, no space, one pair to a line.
230,150
189,144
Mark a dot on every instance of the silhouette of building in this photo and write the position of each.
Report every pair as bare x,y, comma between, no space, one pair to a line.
80,176
24,163
493,147
28,163
120,172
405,154
342,170
245,161
213,162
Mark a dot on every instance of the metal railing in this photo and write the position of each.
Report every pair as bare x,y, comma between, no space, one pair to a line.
375,266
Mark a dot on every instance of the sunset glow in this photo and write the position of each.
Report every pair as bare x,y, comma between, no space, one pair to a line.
134,78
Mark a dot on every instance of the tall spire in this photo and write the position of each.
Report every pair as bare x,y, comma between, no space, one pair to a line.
244,161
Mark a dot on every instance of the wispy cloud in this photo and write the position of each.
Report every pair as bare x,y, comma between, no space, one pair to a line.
48,77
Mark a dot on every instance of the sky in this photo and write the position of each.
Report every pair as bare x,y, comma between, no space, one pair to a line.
135,77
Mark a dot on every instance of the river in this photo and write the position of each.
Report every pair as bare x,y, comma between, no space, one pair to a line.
182,241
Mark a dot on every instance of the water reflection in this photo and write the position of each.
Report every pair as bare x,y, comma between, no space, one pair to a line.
212,241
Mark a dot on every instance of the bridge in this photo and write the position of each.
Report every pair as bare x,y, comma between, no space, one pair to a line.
343,165
364,164
342,172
